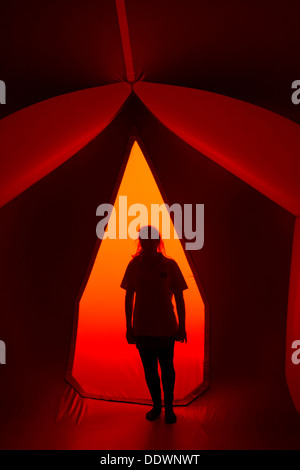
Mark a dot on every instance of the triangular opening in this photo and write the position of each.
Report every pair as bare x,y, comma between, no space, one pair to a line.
105,366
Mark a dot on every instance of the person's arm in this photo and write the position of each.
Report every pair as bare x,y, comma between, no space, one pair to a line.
180,306
128,311
178,286
128,284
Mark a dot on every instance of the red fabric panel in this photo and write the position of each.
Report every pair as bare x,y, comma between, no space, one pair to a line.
209,45
62,47
47,238
37,139
125,39
293,320
258,146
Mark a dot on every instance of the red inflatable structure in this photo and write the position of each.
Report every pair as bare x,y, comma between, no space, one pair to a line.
64,155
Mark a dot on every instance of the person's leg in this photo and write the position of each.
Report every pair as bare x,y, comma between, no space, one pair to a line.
150,365
166,361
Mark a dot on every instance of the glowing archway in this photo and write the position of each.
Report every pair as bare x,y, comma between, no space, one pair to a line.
105,365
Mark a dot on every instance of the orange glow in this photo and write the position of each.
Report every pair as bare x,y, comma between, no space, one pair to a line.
105,365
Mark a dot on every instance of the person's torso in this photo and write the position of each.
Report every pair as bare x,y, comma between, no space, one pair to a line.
153,310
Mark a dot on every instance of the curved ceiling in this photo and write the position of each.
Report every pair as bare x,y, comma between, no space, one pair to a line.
246,51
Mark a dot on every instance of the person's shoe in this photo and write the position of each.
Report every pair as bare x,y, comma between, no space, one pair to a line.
154,413
170,416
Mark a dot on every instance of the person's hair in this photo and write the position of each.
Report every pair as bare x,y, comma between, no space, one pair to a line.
149,231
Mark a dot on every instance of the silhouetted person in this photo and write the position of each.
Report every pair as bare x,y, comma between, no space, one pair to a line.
150,319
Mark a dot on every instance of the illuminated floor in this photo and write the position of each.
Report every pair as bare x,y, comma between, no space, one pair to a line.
252,414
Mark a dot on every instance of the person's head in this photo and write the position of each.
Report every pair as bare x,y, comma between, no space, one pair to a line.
149,240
